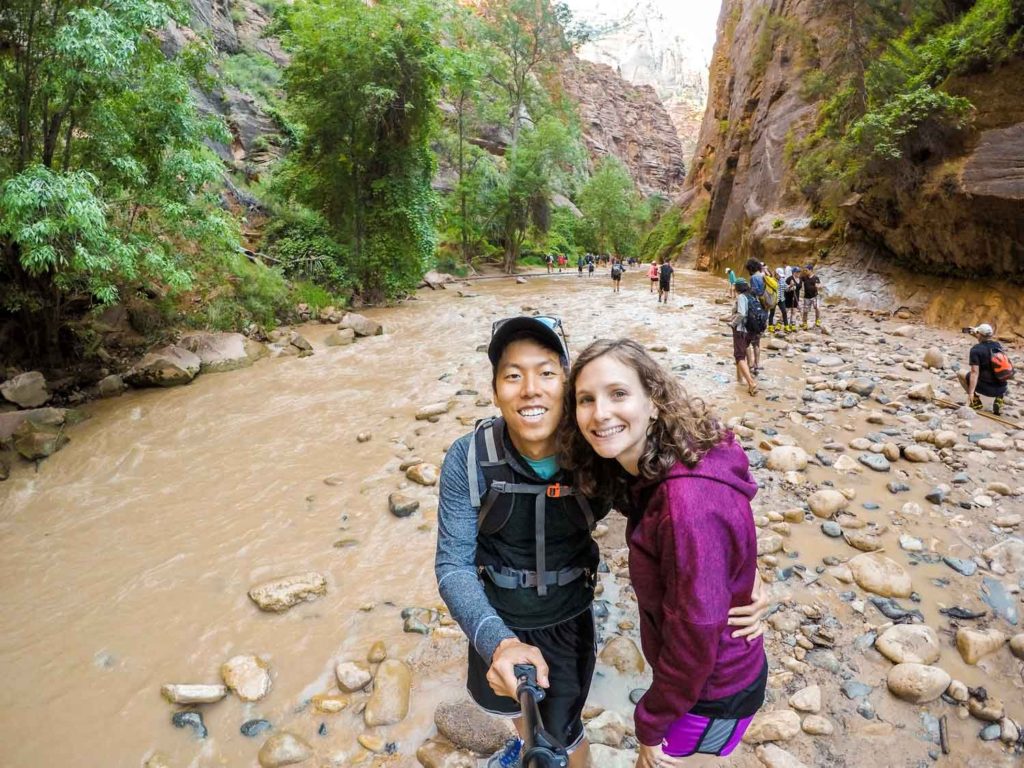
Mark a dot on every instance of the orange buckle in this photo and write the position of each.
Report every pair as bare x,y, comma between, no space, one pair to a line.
554,491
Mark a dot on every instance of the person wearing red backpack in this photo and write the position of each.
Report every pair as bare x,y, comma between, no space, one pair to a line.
990,370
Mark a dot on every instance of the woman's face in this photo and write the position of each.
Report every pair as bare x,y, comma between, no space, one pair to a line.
613,411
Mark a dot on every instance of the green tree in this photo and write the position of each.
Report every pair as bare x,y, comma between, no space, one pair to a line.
363,83
612,207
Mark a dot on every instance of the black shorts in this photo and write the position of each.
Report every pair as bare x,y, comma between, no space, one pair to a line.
569,649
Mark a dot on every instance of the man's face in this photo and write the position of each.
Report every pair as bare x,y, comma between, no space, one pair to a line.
528,387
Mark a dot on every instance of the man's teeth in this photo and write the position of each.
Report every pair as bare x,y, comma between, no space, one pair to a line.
609,431
527,412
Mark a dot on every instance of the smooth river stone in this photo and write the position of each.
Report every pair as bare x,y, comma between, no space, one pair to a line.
186,693
284,748
909,643
389,702
827,502
787,458
247,676
880,575
779,725
917,683
974,644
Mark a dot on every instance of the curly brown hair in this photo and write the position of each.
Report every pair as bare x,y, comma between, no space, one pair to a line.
684,429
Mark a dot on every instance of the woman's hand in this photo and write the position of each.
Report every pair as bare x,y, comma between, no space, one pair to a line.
750,618
655,757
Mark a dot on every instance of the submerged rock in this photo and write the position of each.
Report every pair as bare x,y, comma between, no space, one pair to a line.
389,702
284,748
281,594
247,676
169,366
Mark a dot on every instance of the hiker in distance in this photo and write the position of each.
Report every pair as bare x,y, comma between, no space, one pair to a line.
633,434
516,563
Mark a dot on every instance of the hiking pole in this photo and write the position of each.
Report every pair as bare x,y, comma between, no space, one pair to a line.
540,749
992,416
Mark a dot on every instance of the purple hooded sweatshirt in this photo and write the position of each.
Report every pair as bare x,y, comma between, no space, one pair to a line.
692,557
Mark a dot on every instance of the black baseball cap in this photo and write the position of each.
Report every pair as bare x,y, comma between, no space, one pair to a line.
545,329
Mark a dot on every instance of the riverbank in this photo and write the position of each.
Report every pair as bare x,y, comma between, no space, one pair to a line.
129,555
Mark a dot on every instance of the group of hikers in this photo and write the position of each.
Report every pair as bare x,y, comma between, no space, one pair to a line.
517,564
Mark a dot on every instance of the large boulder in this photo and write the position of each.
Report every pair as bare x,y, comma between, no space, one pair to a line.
917,683
45,417
222,351
37,441
26,390
281,594
363,326
827,502
909,643
166,367
787,458
621,652
880,575
389,702
467,726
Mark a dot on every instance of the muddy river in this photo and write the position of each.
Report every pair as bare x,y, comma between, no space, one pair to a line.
128,555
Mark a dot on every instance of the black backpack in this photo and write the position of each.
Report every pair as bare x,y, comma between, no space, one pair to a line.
616,270
757,318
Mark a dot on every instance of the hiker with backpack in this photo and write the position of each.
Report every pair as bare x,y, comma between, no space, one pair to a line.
810,284
665,272
516,563
778,285
683,480
742,324
990,370
616,272
791,298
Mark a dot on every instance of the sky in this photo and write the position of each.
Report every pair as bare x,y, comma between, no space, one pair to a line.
692,21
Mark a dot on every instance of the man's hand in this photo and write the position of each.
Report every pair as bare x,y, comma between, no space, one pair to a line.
750,618
655,757
510,652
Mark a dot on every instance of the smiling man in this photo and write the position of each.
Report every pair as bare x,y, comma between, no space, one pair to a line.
516,563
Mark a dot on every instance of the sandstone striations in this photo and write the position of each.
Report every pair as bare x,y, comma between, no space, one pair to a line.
627,121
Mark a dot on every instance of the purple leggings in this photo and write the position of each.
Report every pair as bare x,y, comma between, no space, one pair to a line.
692,734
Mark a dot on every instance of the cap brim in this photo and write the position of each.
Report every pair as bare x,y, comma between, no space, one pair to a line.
547,336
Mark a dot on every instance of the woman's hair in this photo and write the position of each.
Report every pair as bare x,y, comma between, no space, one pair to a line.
683,431
753,265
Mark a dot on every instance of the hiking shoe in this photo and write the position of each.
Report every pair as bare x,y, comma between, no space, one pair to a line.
976,403
997,406
507,756
817,323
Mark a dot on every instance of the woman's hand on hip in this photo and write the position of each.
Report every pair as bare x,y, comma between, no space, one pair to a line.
655,757
750,618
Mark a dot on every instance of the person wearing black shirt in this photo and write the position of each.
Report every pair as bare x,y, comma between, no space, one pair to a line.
981,379
809,284
664,281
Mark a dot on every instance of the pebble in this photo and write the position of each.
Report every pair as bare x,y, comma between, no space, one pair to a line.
874,461
963,567
281,594
247,676
253,728
193,694
190,719
831,529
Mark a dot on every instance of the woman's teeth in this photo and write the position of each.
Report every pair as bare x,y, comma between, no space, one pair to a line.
607,432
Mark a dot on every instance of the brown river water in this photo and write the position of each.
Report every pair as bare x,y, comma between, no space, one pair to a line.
127,556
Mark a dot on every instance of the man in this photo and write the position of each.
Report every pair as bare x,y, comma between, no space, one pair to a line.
809,284
982,379
757,288
521,597
665,273
740,336
616,272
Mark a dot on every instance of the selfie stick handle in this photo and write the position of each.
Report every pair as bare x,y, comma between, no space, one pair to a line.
540,750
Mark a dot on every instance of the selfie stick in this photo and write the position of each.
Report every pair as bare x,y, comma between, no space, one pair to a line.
540,749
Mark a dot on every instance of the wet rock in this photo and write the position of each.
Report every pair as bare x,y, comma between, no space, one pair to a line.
37,441
340,338
880,575
807,699
281,594
166,367
402,505
787,458
778,725
974,644
248,676
622,654
254,728
467,726
755,458
1009,732
1006,557
610,757
874,461
329,703
26,390
768,543
935,358
937,495
917,683
846,464
377,653
854,689
439,753
423,473
432,410
364,437
389,702
190,719
284,748
774,756
862,387
944,438
830,361
990,732
909,643
157,760
827,502
894,611
300,343
363,326
816,725
832,529
608,728
990,710
910,543
993,444
219,352
999,489
961,566
110,386
193,693
863,541
958,692
352,676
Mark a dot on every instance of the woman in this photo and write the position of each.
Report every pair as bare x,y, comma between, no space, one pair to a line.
631,431
742,340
